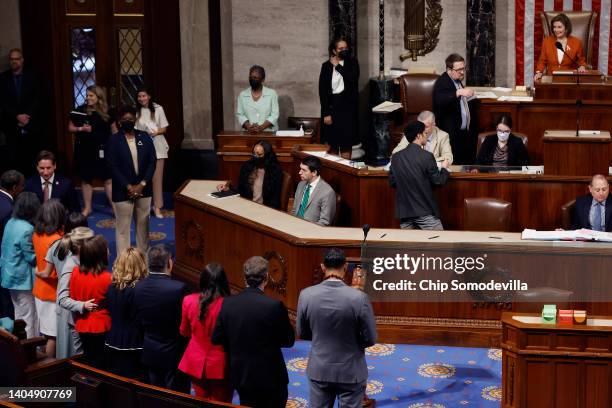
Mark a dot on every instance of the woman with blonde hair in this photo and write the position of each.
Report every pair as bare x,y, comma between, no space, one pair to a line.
124,340
90,141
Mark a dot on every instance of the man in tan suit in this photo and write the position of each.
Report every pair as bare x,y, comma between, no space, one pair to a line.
438,142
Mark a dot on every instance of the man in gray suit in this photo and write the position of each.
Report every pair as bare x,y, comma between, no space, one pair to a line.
340,322
314,199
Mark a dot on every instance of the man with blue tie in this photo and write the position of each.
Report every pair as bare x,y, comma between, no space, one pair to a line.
450,104
314,200
594,210
48,184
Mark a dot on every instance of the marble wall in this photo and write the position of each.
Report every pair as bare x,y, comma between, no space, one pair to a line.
505,59
10,30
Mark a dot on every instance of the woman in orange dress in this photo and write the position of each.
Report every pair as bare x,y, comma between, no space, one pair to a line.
553,59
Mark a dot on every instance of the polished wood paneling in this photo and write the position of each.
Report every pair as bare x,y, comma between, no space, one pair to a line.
80,7
588,90
132,7
576,156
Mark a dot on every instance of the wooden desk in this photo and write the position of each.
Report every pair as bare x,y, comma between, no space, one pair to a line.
233,229
555,366
367,197
585,155
234,147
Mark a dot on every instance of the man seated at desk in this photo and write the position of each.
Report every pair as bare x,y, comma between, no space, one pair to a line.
257,107
594,210
413,171
314,200
438,142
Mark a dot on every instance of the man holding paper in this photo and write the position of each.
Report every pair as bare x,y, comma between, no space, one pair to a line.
594,210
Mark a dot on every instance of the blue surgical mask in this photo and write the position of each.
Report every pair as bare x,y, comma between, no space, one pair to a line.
503,136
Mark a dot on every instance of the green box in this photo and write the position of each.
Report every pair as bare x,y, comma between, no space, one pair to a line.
549,314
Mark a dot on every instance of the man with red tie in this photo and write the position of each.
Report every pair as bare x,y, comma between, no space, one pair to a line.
47,184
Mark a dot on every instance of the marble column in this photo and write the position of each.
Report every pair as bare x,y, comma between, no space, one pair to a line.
481,42
343,22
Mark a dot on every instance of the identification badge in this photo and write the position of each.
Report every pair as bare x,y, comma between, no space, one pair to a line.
101,153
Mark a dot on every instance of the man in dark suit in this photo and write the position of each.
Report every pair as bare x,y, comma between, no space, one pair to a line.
252,329
413,172
47,184
11,184
20,102
158,300
340,322
594,210
450,104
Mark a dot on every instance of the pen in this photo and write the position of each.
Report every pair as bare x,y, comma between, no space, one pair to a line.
383,235
496,237
435,236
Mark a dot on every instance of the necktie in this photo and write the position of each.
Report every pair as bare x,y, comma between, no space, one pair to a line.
597,218
464,102
304,202
46,191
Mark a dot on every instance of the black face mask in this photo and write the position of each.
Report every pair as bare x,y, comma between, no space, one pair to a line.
255,84
259,161
127,125
344,54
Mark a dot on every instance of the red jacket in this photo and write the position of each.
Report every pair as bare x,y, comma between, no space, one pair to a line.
202,359
88,286
548,55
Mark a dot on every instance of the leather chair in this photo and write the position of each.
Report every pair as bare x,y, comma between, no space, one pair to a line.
567,213
482,136
532,300
486,214
307,123
286,190
583,28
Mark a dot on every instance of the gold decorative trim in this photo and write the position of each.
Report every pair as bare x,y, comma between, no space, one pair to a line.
439,322
80,14
277,272
192,234
128,14
433,21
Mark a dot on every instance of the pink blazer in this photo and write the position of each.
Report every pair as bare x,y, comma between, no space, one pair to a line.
202,359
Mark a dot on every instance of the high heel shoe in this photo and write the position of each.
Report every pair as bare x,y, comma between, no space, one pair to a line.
158,213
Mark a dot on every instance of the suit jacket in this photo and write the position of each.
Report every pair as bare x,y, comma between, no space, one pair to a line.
62,189
11,105
440,145
202,359
582,209
85,286
157,301
18,257
121,165
517,153
413,172
340,322
447,107
548,55
321,206
350,76
6,209
252,328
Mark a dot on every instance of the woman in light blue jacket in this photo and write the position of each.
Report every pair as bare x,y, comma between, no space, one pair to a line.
18,260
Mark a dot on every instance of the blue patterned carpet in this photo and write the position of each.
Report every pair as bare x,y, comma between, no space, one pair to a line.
400,375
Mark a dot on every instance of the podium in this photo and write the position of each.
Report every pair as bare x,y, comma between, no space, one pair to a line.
563,87
568,155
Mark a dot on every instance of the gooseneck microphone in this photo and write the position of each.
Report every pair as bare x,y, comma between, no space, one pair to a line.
366,229
578,100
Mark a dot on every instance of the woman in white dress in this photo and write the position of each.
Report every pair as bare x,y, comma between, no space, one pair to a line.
150,118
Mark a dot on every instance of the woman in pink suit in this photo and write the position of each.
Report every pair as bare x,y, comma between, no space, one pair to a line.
204,362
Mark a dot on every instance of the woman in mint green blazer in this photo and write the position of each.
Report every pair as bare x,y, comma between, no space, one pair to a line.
18,260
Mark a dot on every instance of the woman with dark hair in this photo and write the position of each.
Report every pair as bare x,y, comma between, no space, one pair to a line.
571,54
338,93
90,141
257,106
48,229
90,280
261,177
124,340
131,158
204,362
150,118
504,148
18,259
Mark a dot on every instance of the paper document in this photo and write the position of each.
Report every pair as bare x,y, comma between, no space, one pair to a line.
292,133
515,98
485,94
387,107
577,235
502,89
564,73
588,132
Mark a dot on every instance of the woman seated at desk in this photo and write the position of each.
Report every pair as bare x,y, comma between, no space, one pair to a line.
554,59
261,177
504,148
257,106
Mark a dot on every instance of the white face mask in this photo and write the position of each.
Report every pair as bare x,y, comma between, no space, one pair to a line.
503,136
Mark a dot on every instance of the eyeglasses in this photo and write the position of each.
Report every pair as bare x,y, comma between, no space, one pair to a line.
505,132
458,69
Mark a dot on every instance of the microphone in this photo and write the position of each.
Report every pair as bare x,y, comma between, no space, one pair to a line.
366,229
560,47
578,100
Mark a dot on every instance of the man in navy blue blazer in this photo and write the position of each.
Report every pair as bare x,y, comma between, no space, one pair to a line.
48,184
11,184
594,210
130,155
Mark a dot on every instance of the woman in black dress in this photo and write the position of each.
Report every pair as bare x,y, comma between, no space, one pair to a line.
504,148
338,92
90,141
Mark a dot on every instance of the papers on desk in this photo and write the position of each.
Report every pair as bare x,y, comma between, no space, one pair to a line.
330,157
485,95
564,73
512,98
387,107
291,133
502,89
577,235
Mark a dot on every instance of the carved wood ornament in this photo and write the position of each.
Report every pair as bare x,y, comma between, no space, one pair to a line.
422,21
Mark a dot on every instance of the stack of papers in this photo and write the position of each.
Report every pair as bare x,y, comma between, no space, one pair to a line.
515,98
577,235
293,133
485,95
387,107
